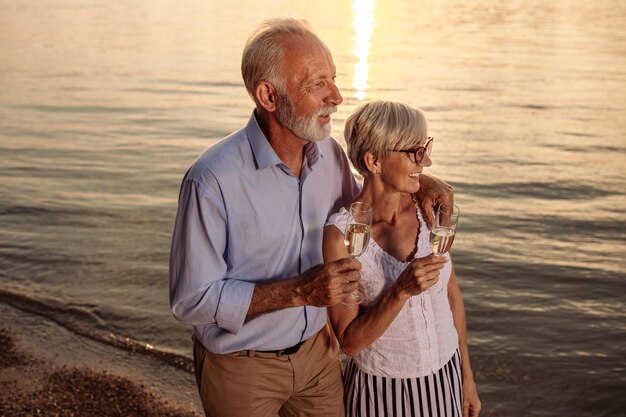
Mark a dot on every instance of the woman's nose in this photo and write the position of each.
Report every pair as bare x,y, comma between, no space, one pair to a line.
426,161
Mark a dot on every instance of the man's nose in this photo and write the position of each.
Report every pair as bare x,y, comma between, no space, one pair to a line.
335,96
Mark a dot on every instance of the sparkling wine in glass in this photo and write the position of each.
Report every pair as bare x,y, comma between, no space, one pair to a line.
444,230
356,238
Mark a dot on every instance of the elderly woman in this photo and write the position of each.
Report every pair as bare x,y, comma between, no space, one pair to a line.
407,340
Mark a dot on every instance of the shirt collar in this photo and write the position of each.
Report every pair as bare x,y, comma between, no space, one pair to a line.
264,154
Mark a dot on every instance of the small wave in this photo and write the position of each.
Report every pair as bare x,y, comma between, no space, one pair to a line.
584,148
576,134
198,83
168,91
24,211
532,106
85,109
40,257
85,321
55,215
472,89
560,190
56,211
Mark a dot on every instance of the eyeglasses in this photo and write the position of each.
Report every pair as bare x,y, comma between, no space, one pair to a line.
417,154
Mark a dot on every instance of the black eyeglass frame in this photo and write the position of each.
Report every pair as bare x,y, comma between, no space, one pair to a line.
426,150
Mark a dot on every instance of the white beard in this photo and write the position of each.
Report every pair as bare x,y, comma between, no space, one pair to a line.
304,127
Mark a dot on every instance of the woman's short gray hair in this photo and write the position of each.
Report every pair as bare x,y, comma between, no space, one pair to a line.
262,56
380,126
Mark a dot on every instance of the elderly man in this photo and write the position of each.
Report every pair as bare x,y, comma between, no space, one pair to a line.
246,259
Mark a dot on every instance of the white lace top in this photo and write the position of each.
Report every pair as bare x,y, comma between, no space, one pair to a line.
422,338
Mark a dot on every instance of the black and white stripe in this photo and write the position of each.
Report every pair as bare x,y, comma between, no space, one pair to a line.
434,395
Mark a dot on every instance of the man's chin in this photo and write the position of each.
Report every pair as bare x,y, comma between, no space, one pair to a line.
321,138
313,131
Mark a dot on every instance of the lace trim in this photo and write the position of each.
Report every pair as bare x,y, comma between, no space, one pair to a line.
391,266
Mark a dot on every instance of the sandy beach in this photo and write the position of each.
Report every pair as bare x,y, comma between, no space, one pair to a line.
32,386
47,370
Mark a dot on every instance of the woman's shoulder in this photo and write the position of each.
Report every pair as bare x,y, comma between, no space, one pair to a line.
339,219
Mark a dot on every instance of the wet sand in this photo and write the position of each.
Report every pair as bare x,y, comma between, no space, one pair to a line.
32,386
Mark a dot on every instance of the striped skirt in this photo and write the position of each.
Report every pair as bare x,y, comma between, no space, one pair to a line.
434,395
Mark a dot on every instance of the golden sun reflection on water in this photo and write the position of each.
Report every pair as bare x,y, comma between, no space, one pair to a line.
363,25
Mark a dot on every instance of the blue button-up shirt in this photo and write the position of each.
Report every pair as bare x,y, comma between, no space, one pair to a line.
244,218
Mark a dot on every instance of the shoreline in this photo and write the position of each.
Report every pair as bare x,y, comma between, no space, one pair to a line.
72,318
47,370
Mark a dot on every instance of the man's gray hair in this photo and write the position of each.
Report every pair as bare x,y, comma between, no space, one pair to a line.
262,57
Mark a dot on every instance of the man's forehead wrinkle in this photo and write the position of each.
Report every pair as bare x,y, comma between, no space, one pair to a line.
303,66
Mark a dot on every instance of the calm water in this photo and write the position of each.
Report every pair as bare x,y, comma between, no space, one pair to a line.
103,106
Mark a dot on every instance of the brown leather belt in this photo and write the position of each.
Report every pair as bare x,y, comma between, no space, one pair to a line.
269,353
251,353
287,351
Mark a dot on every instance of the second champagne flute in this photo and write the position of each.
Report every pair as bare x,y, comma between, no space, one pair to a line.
442,235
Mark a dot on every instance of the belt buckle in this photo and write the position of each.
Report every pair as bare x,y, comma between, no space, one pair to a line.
292,349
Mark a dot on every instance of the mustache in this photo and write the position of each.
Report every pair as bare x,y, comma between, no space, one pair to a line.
326,110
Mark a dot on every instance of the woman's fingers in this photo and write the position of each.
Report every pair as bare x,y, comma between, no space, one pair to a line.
431,261
428,280
421,274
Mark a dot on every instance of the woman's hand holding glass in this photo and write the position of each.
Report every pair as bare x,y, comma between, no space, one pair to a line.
420,275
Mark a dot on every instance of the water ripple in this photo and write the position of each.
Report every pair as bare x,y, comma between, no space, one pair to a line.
84,109
555,190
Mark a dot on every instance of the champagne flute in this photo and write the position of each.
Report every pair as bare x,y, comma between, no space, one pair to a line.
356,238
444,230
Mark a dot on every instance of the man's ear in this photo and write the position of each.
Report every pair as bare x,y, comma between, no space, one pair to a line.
372,163
266,96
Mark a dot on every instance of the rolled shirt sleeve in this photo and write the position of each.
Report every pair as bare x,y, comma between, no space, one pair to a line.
199,292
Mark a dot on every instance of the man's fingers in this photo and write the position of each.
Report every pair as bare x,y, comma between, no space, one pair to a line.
349,277
427,211
346,264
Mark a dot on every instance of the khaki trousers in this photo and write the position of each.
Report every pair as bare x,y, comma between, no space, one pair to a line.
254,384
